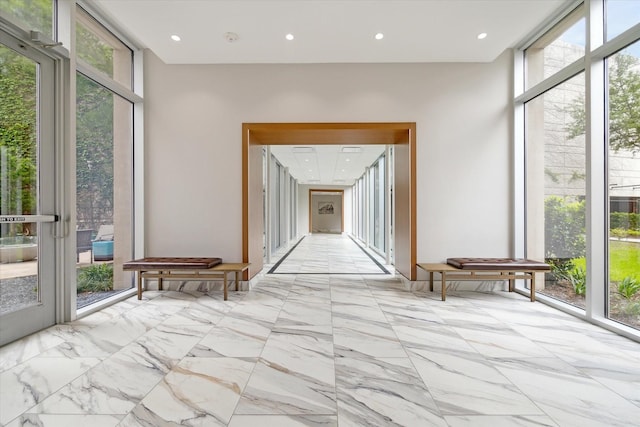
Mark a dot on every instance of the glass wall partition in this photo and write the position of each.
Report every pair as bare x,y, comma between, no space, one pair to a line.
104,162
555,152
281,213
369,206
558,48
623,112
577,118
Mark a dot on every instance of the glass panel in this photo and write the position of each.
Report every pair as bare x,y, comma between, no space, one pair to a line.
561,46
103,51
371,197
378,224
18,180
624,186
555,150
620,16
30,14
104,216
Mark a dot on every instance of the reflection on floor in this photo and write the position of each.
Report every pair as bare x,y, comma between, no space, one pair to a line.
322,350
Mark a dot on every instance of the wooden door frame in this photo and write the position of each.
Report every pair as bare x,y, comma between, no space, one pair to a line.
385,133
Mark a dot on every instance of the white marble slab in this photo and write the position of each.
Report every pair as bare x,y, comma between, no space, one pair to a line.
385,391
197,392
31,382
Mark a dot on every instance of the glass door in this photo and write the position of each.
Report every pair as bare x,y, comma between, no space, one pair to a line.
27,181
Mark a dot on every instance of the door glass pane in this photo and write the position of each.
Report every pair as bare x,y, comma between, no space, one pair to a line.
18,180
624,186
555,155
103,191
561,46
30,14
620,16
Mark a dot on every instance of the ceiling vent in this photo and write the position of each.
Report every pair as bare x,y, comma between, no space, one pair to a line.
303,149
351,149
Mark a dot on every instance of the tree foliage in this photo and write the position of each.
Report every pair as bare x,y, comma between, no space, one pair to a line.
30,14
18,139
18,122
94,153
624,105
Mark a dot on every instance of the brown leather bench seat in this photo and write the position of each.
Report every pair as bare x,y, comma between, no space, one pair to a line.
498,264
171,263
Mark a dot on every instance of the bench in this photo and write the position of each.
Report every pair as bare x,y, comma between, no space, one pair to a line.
510,269
181,268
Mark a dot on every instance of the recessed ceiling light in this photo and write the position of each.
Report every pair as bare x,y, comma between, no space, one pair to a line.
347,160
379,36
289,36
482,36
175,38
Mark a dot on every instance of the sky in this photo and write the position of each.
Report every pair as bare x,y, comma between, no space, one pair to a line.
621,15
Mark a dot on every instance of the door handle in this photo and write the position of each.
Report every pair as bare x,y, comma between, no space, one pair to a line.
19,219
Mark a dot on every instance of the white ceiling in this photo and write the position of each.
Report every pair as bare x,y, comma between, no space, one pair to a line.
327,164
326,31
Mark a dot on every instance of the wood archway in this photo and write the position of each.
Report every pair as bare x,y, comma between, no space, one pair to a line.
401,135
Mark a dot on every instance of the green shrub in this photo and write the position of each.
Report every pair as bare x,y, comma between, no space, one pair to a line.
631,309
578,279
628,287
96,278
624,220
622,232
564,228
560,268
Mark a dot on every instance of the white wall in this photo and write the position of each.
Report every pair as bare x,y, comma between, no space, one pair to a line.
193,156
329,222
303,206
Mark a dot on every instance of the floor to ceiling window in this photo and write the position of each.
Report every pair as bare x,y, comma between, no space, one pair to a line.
623,119
578,109
104,166
370,199
280,192
556,186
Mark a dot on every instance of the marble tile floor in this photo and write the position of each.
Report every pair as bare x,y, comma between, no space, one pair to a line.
322,350
328,253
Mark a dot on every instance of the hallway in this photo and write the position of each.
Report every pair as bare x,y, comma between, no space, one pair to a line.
328,253
322,350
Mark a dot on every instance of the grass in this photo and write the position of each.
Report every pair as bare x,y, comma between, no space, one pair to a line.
624,260
95,278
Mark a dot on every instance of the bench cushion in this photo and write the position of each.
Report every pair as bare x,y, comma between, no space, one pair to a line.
498,264
171,263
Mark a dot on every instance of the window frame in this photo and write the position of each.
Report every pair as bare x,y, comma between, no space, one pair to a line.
597,198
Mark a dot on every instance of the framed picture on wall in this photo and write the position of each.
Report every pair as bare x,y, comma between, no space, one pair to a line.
325,208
